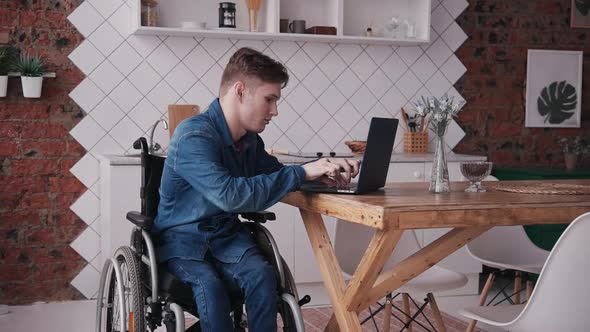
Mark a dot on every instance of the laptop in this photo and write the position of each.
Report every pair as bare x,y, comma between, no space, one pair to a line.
374,165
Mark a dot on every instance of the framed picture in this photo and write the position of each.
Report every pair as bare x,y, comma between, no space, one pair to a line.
553,89
580,14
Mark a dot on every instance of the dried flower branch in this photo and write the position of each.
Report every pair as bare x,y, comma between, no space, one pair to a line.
441,111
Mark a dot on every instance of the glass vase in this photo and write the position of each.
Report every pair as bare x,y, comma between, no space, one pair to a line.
439,179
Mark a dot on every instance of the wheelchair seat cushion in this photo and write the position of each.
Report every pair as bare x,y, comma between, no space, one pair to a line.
182,294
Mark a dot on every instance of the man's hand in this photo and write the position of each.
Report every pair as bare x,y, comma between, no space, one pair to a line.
333,171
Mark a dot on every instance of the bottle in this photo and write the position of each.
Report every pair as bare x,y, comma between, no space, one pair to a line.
149,13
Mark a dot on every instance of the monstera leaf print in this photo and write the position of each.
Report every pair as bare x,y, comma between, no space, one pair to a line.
557,102
583,6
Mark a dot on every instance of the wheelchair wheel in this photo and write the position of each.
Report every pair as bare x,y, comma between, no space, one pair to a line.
132,308
289,308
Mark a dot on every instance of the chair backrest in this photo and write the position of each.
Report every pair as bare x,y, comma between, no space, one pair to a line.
152,178
560,300
504,243
152,167
351,241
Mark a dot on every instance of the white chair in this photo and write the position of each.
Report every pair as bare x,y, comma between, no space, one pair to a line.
560,299
350,243
507,248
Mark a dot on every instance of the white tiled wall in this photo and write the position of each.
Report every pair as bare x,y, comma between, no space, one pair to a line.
333,92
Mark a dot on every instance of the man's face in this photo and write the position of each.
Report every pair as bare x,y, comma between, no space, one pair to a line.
259,105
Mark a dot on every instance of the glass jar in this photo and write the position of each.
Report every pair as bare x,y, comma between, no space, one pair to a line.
227,15
149,13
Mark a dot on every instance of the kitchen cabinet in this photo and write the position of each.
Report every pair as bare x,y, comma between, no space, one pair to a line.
350,17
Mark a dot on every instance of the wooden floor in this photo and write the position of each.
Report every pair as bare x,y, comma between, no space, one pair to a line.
317,318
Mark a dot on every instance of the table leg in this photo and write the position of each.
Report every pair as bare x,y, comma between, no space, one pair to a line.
330,270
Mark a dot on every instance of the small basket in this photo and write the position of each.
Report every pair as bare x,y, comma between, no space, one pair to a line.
416,142
357,147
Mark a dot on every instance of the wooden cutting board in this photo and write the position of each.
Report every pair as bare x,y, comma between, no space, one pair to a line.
177,113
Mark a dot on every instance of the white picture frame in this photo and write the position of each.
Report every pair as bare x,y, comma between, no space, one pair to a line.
553,89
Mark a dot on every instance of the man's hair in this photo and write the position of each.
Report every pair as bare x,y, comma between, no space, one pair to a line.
247,63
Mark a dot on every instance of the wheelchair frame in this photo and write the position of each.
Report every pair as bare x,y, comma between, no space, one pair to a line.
161,307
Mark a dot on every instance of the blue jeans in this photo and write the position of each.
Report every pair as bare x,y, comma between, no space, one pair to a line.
209,279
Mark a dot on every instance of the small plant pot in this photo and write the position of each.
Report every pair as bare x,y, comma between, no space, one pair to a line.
32,86
3,86
570,161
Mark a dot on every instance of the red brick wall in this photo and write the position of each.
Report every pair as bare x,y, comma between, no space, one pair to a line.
36,153
500,32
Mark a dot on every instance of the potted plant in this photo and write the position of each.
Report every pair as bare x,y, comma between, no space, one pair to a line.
572,148
5,64
31,69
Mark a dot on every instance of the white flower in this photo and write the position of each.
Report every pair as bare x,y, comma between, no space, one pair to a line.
443,110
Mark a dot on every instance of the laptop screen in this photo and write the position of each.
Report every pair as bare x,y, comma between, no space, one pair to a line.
377,157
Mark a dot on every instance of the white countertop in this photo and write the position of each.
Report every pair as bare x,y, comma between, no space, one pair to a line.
395,158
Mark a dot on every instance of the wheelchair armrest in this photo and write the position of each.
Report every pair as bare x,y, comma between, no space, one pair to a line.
260,216
140,220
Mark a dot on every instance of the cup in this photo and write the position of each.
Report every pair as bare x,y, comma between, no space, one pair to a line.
283,25
297,26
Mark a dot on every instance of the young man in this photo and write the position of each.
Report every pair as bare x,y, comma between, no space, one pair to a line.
216,168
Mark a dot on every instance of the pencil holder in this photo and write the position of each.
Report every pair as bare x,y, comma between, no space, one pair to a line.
416,142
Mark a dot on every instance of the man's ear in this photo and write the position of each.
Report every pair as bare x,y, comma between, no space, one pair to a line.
239,89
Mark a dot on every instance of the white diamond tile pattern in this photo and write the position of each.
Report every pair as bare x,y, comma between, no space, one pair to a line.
348,52
181,78
144,78
107,114
106,38
332,65
180,46
106,76
120,21
86,57
316,82
106,7
363,100
86,170
125,58
300,64
454,36
87,95
87,132
333,92
85,18
87,207
363,66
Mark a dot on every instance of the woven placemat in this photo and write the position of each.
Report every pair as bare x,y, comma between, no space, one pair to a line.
544,188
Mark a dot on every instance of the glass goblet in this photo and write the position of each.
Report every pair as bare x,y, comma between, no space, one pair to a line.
475,171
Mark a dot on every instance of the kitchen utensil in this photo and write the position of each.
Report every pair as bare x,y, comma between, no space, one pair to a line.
253,7
475,171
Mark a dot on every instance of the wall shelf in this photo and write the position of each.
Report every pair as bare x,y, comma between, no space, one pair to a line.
350,17
17,74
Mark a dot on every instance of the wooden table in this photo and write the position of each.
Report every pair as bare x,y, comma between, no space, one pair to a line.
402,206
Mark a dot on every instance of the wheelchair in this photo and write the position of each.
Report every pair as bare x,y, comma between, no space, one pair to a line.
136,294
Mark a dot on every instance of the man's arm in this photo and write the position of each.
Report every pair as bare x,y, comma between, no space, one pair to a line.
199,163
265,163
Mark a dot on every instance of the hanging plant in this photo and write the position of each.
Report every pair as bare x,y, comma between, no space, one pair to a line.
557,102
31,69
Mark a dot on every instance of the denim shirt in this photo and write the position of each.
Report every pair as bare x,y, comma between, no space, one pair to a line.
207,181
